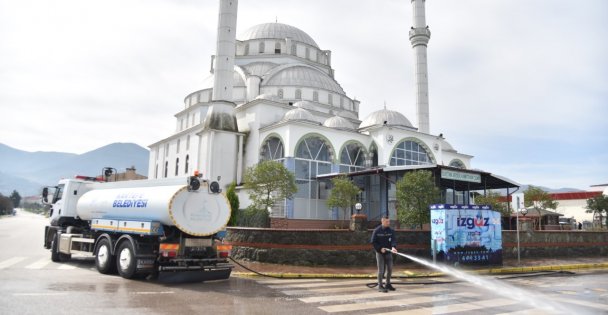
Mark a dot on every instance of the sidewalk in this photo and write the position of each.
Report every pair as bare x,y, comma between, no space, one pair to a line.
404,268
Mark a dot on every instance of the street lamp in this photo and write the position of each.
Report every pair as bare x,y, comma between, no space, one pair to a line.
358,206
523,211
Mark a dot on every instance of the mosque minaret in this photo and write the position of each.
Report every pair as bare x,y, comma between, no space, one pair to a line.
419,37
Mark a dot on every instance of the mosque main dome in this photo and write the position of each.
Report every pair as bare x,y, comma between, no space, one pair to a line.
276,31
385,117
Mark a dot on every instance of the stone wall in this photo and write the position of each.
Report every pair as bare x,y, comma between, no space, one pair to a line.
343,247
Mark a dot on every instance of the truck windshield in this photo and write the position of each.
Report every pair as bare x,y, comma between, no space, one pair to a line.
58,193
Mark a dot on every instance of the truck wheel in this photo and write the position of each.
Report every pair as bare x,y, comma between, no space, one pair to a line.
56,256
55,249
104,260
125,260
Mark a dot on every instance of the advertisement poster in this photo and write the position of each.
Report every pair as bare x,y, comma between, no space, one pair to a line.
466,234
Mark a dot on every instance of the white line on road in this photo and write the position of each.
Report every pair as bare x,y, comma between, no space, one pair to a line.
39,264
40,294
152,292
12,261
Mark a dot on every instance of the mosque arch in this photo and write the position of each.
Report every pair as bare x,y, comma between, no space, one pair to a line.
187,164
272,148
411,151
352,157
457,163
313,156
314,146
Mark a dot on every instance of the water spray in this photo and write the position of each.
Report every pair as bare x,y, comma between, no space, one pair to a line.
496,287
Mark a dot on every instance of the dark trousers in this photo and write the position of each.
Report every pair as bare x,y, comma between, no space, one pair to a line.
385,263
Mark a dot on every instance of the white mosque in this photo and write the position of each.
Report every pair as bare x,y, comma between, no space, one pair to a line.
272,95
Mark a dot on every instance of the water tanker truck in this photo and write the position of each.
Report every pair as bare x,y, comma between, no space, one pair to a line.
140,227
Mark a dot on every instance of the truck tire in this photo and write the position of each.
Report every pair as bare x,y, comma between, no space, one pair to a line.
56,256
105,262
55,249
126,262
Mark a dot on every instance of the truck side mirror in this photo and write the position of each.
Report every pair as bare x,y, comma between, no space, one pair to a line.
45,194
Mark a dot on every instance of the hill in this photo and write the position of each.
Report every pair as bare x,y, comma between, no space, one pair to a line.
27,172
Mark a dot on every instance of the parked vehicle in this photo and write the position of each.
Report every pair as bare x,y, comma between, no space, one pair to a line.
140,227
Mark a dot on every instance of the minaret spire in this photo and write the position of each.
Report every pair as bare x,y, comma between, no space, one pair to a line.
419,38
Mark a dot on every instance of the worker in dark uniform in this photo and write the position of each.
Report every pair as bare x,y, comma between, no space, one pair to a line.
385,243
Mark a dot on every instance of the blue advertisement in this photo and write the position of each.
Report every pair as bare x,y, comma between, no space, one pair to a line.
466,234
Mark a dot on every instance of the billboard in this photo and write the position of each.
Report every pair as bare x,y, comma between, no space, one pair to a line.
466,234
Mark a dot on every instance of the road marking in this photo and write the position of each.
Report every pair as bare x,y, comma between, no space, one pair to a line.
317,284
287,281
12,261
367,295
581,302
388,303
41,294
534,311
39,264
454,308
152,292
66,267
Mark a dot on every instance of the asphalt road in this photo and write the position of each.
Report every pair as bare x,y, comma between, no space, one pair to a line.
31,284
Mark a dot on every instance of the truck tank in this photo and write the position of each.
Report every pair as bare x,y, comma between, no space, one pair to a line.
197,213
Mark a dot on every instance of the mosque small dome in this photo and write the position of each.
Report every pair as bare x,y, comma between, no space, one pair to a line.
298,114
385,117
308,105
338,122
276,31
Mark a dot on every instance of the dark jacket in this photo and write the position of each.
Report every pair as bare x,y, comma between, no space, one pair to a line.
383,238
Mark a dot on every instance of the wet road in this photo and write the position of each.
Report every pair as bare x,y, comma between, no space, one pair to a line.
31,284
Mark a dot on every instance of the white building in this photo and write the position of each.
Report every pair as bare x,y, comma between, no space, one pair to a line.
278,85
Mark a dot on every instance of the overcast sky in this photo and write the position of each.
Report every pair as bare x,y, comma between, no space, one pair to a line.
522,85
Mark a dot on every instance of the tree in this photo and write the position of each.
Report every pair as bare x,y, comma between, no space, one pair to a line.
539,199
6,205
15,198
493,199
598,205
343,194
268,181
233,199
416,191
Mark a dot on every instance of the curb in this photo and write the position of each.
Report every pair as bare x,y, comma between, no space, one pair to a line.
410,274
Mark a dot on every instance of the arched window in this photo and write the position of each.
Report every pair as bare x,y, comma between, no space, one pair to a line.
262,47
298,94
277,48
177,148
330,99
156,170
272,149
457,164
409,152
246,50
166,168
315,96
307,53
176,166
294,49
313,157
187,164
188,143
280,93
352,158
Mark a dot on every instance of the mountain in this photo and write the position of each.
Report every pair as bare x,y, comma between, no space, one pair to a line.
550,190
26,171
